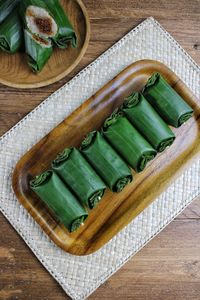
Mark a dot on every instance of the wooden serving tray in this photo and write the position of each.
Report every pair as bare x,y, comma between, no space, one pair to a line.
115,210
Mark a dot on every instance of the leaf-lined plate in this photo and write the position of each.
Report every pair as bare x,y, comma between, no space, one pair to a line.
115,210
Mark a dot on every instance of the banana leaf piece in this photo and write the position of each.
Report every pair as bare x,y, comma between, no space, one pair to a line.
38,19
50,188
6,7
146,120
38,51
11,34
77,173
105,160
166,101
66,32
127,141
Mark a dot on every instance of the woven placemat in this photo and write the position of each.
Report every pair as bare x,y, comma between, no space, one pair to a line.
80,276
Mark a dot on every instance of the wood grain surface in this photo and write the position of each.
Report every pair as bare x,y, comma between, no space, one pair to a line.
115,210
169,266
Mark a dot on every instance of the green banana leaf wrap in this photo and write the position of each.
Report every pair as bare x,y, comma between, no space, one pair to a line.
66,33
38,51
166,101
11,34
147,121
38,19
77,173
105,160
127,141
6,7
50,188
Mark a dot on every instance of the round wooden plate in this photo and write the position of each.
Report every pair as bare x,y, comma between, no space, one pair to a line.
15,72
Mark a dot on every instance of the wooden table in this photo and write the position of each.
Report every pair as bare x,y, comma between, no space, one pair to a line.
169,266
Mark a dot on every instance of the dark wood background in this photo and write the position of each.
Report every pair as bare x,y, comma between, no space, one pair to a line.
169,266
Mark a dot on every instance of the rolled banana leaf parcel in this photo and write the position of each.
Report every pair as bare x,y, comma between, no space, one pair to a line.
11,34
66,33
38,19
50,188
38,51
77,173
105,160
147,121
166,101
127,141
48,20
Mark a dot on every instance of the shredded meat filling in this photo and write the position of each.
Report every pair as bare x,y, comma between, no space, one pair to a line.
44,25
41,40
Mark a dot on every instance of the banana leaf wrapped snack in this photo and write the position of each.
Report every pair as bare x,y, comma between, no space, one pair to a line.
166,101
38,51
11,34
77,173
38,19
127,141
147,121
50,188
105,160
48,20
66,33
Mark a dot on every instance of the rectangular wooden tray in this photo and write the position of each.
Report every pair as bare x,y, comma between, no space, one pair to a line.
115,210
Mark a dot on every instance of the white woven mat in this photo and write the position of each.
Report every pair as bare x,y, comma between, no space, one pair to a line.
80,276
